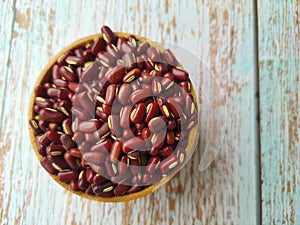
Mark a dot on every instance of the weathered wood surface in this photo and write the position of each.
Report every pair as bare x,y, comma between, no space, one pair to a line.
279,70
220,32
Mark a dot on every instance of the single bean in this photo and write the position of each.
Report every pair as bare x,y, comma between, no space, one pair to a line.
108,35
91,73
146,133
67,142
171,124
170,138
125,116
120,189
55,150
153,151
115,151
53,136
153,54
73,60
142,48
111,168
134,189
55,73
174,107
74,185
44,140
89,190
137,115
131,75
126,48
101,115
135,166
78,137
169,57
94,157
104,146
120,42
67,176
99,45
106,59
62,60
124,93
98,168
51,115
153,164
75,152
89,125
58,162
132,144
73,162
152,111
163,107
48,166
140,95
86,102
166,151
103,188
111,92
43,102
67,126
157,123
161,67
64,106
67,73
98,179
179,74
156,87
115,75
43,125
113,51
102,131
158,138
35,127
168,164
106,109
82,182
123,165
129,61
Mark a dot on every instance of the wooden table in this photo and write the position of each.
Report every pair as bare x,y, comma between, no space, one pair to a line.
252,47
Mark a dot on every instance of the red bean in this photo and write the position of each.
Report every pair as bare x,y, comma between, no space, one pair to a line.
153,164
124,93
82,182
48,166
174,107
115,151
73,162
137,115
116,74
67,176
131,75
120,189
153,54
99,45
152,111
74,185
131,144
52,115
67,142
157,139
125,116
166,151
55,150
75,152
67,73
91,73
179,74
94,157
170,138
157,123
169,57
140,95
108,35
58,162
122,165
110,94
89,126
168,164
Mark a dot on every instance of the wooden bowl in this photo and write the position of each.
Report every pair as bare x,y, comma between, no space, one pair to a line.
45,76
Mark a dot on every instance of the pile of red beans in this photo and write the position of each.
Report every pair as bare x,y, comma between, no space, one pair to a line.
114,116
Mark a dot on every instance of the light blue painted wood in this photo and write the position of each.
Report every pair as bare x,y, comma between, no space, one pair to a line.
279,55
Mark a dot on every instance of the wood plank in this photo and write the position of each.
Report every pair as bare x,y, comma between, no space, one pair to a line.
279,68
220,33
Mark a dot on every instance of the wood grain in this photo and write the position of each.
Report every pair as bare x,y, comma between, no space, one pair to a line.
220,32
279,69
